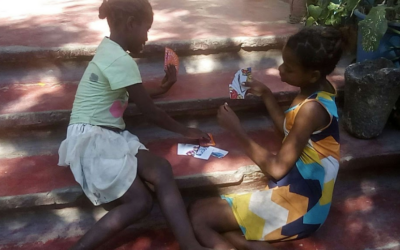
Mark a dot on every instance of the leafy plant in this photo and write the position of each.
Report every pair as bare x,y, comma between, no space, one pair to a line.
375,24
325,12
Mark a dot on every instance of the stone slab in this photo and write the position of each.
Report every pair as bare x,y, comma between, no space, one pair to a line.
71,30
42,94
38,173
364,215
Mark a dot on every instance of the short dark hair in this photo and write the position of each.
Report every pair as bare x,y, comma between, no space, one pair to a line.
317,48
118,11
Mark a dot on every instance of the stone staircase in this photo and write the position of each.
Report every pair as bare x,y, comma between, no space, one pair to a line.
41,206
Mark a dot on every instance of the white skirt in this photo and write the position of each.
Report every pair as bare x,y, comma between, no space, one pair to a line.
103,162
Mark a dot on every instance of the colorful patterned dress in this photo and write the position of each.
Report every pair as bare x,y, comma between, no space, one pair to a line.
299,203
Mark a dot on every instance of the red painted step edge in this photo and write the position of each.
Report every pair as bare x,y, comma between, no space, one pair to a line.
35,174
39,97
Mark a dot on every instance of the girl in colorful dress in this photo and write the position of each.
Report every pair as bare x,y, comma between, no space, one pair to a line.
302,174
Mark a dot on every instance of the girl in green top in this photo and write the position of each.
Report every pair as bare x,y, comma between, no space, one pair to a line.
109,163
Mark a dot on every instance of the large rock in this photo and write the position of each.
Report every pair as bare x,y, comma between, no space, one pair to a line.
371,90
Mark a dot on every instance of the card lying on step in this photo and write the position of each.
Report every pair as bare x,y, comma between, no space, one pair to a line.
219,153
236,89
171,58
187,149
203,153
200,152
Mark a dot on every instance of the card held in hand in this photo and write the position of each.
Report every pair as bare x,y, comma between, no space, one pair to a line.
205,143
171,57
236,89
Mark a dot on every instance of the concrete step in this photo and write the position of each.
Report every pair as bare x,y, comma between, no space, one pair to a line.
364,215
42,94
65,29
30,176
28,159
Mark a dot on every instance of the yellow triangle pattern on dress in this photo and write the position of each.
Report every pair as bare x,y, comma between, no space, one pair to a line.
309,156
246,217
327,192
324,95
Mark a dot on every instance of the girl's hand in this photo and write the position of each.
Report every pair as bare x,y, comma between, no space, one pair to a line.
228,119
257,88
169,79
194,133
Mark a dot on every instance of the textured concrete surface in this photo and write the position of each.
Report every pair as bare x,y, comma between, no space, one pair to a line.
364,216
42,94
28,161
70,29
66,23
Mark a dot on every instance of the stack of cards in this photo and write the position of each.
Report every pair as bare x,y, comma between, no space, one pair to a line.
171,58
202,151
236,89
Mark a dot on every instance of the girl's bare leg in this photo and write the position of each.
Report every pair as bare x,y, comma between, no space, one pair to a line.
133,205
157,171
211,218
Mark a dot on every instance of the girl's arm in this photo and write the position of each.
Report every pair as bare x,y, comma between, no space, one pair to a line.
167,82
139,96
257,88
311,117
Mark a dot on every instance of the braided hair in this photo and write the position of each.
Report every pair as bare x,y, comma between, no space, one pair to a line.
118,11
317,48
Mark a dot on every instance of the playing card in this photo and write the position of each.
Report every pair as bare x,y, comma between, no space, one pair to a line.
171,58
236,89
219,153
203,153
205,143
187,149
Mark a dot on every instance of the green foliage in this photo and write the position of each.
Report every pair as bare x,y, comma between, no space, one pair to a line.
335,14
375,24
326,12
373,27
352,5
314,11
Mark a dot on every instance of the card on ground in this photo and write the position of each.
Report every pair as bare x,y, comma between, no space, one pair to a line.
171,58
187,149
236,89
203,153
219,153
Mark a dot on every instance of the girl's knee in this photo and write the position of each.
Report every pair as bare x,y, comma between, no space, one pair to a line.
154,169
137,195
163,169
143,204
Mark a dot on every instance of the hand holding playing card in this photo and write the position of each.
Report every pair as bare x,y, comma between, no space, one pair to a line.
256,88
194,133
171,57
236,89
170,78
228,119
207,142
